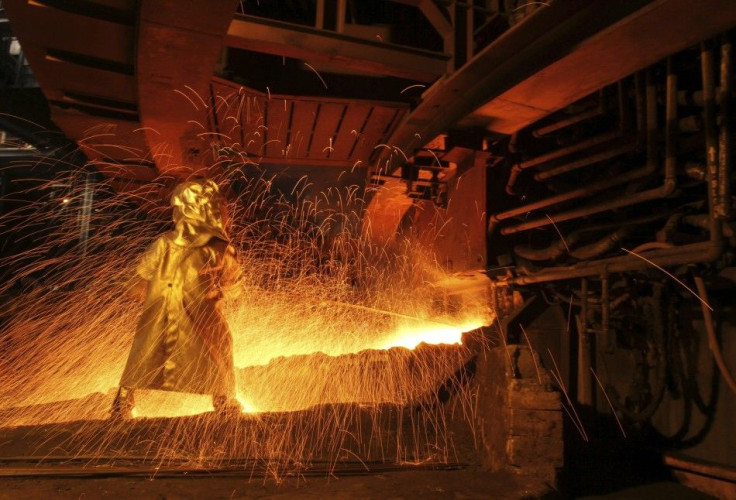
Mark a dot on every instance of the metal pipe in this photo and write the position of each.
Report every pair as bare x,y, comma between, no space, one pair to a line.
340,16
319,16
589,189
601,246
711,134
652,245
555,250
705,251
559,125
645,121
607,335
575,148
725,140
585,384
666,189
584,162
703,221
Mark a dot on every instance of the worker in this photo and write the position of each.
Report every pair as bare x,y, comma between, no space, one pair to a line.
182,342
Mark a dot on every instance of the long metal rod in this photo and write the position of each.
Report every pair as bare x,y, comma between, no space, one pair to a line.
603,245
584,162
319,22
705,251
589,189
580,117
560,153
585,383
607,335
711,131
725,140
340,16
78,467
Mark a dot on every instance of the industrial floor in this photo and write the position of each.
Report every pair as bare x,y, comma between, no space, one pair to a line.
458,484
41,462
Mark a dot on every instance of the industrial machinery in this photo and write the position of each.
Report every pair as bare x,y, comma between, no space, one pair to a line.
571,161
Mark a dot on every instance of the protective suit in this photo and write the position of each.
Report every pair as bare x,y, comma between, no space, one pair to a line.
182,341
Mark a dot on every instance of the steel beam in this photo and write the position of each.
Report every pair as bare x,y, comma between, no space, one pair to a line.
546,36
312,45
433,13
637,41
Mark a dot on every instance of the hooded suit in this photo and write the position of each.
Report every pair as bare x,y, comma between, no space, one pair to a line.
182,342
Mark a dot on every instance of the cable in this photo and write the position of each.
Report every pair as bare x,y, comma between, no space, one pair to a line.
712,340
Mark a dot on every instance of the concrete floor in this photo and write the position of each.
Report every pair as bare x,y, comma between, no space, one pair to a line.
29,470
424,484
458,484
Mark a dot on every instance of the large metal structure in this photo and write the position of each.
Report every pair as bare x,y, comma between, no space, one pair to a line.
579,152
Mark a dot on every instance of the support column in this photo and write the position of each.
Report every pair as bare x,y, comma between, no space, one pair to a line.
520,417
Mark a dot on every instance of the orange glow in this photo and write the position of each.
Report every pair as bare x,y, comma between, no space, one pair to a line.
157,404
328,332
161,404
248,407
432,333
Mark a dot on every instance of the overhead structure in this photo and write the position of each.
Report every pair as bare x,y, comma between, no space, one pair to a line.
153,88
160,88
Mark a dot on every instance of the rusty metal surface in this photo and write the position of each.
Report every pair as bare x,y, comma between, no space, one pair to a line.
637,41
712,478
526,73
178,46
313,45
278,129
80,61
543,38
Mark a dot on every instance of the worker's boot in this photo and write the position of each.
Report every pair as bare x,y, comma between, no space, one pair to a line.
226,406
122,406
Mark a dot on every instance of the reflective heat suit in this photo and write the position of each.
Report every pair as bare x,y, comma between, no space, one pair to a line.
182,342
